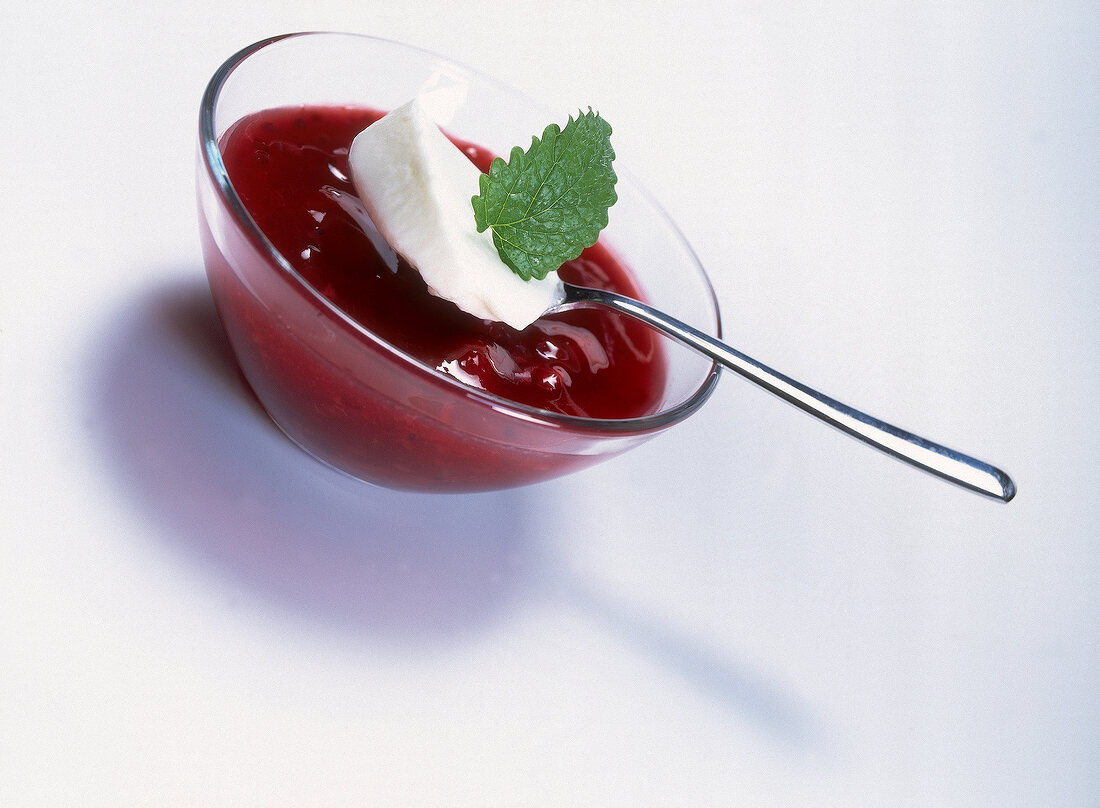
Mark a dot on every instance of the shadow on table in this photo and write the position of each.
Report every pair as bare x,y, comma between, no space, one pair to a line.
748,694
190,443
191,446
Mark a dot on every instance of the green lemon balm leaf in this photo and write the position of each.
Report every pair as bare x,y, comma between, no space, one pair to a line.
547,204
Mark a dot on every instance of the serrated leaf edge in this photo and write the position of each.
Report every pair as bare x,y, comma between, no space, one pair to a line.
517,154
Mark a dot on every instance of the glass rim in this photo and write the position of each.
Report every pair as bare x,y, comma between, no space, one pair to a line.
216,170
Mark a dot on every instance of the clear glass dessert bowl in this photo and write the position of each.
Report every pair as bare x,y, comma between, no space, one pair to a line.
345,394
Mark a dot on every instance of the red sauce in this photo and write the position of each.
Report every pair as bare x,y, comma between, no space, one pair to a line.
289,167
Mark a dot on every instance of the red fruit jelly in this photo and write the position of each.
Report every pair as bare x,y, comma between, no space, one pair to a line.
289,168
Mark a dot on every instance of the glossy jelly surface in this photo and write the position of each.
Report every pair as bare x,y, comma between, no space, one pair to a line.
289,167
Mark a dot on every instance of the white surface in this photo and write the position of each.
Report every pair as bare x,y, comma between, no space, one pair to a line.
898,202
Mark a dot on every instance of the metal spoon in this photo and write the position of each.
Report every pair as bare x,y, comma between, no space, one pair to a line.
939,460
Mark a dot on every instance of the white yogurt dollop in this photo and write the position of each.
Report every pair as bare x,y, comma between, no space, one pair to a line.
417,185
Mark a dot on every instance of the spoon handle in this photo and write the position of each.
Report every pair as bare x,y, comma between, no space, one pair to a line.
939,460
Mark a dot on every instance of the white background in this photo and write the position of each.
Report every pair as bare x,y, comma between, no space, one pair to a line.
899,203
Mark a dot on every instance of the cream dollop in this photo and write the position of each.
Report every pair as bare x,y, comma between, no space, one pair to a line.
416,185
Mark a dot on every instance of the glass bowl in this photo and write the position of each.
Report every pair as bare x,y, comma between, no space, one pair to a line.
345,395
